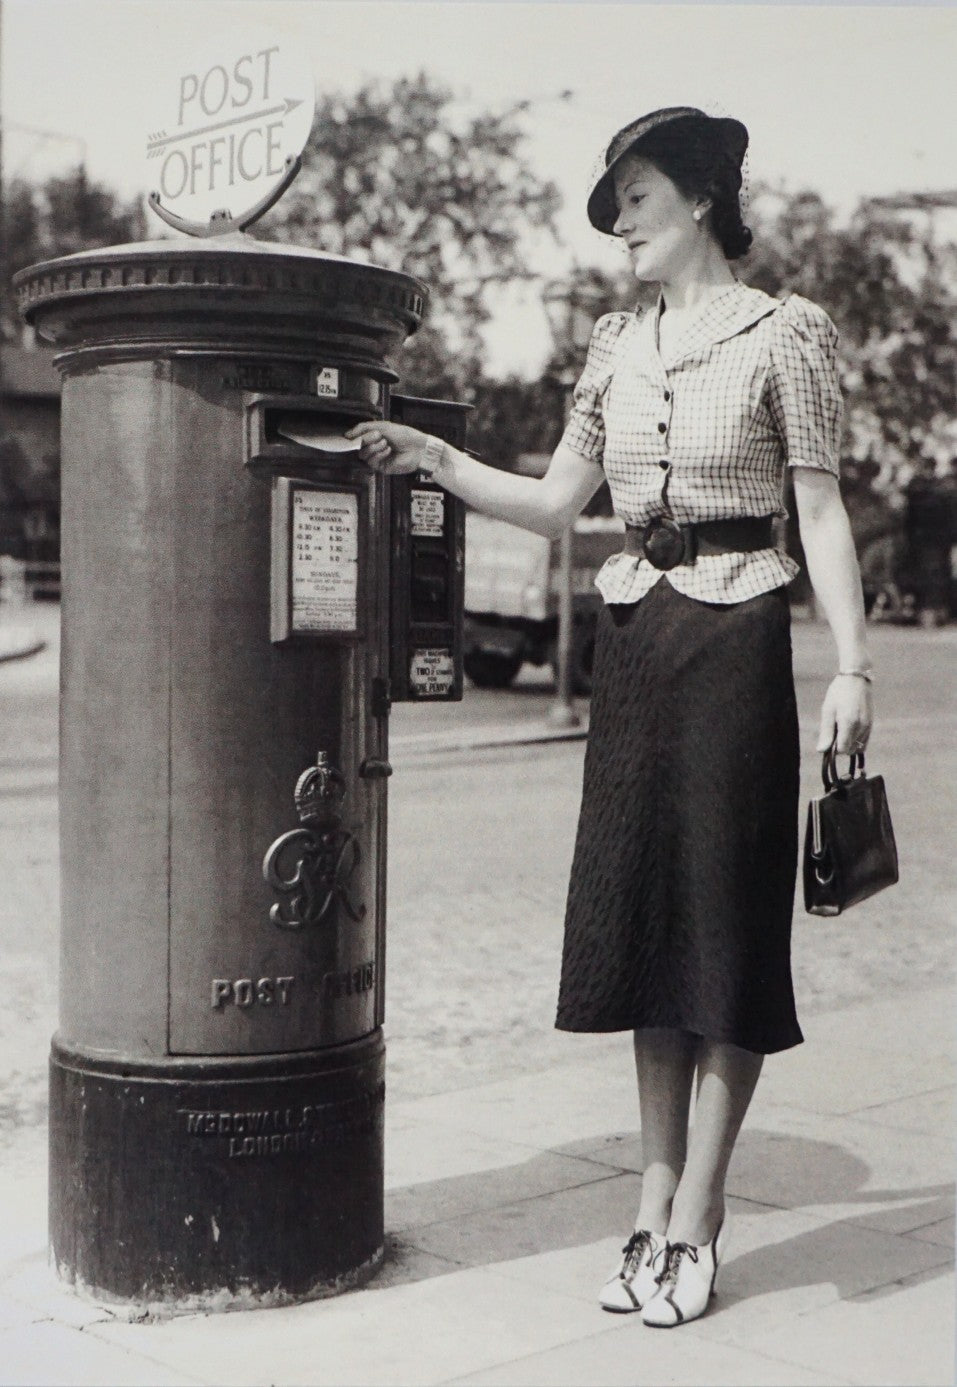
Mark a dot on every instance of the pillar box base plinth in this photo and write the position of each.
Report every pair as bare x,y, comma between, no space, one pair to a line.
187,1185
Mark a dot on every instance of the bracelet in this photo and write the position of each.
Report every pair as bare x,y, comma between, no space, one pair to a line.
867,674
434,456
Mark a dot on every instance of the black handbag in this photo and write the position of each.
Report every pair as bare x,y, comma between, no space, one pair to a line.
849,848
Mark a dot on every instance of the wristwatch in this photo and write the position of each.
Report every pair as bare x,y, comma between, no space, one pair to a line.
434,456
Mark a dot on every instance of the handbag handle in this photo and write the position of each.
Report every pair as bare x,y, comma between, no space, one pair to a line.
829,774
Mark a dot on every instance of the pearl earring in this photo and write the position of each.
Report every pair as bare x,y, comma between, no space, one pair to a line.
697,214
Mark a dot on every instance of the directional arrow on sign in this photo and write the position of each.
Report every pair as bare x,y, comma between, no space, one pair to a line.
158,142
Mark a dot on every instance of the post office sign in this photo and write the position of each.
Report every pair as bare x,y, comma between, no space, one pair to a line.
227,118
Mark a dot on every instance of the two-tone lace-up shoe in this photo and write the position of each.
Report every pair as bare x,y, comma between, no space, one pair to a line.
685,1282
635,1281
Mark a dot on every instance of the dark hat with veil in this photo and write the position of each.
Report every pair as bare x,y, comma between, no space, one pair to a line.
727,136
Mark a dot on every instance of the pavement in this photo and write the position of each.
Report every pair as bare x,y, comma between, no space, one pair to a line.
511,1181
506,1206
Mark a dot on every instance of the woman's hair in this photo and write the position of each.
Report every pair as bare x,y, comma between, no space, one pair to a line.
687,151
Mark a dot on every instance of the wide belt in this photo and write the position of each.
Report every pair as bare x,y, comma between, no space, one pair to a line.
665,543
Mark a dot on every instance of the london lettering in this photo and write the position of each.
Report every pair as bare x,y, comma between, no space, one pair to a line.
298,1130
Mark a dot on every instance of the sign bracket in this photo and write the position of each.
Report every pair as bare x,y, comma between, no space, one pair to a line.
222,222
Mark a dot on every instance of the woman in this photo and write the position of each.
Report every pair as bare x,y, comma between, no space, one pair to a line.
681,892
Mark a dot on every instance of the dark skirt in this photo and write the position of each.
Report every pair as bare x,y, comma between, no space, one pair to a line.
682,885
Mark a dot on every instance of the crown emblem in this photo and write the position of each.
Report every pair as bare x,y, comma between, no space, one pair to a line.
319,793
311,867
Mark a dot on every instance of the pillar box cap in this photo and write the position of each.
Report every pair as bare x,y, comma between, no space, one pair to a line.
228,291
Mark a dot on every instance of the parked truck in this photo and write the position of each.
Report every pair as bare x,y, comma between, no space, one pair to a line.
511,597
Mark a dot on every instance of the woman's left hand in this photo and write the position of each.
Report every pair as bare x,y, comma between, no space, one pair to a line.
848,711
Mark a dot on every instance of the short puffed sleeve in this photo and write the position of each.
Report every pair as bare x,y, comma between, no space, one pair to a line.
585,430
803,393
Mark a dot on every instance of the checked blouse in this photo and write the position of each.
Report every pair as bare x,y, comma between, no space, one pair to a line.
749,388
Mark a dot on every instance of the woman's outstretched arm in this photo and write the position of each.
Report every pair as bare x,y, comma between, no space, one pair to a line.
547,505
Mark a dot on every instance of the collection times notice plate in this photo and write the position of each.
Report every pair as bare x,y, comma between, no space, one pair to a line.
427,513
315,560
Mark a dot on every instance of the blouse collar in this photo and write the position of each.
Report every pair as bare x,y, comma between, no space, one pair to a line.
724,316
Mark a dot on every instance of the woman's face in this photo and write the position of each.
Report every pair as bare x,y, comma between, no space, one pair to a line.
654,219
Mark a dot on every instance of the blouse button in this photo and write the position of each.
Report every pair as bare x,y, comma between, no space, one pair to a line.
662,428
667,395
664,463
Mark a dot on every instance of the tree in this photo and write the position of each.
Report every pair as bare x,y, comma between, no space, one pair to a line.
394,174
513,415
63,215
891,293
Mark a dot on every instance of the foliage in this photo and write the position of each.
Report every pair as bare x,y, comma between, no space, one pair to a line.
516,416
63,215
396,175
14,470
891,292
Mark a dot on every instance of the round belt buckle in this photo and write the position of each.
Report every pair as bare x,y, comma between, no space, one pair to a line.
663,543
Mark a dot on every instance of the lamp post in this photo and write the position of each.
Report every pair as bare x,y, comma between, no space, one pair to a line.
570,306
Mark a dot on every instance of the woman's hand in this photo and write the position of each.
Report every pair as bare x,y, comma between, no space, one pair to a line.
390,448
848,711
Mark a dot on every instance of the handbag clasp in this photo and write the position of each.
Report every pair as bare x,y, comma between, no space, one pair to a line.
817,844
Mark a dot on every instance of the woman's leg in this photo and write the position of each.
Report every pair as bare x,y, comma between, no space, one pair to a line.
727,1076
664,1061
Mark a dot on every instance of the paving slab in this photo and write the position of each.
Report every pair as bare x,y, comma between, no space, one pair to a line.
545,1109
34,1284
924,1024
14,1314
532,1173
932,1112
786,1156
405,1263
562,1222
51,1354
901,1333
419,1333
840,1167
781,1266
868,1068
418,1151
618,1150
637,1354
941,1232
840,1078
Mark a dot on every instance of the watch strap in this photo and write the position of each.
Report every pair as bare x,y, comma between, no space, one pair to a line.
434,456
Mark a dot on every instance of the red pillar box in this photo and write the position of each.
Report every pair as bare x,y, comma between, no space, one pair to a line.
217,1078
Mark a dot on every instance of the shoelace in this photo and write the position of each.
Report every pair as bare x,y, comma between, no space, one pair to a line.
634,1250
673,1255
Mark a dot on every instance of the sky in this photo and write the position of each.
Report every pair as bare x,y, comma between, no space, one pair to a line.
850,100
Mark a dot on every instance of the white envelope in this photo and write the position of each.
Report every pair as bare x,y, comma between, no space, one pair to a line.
320,436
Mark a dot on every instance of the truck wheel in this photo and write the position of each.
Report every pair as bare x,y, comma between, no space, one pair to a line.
488,671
